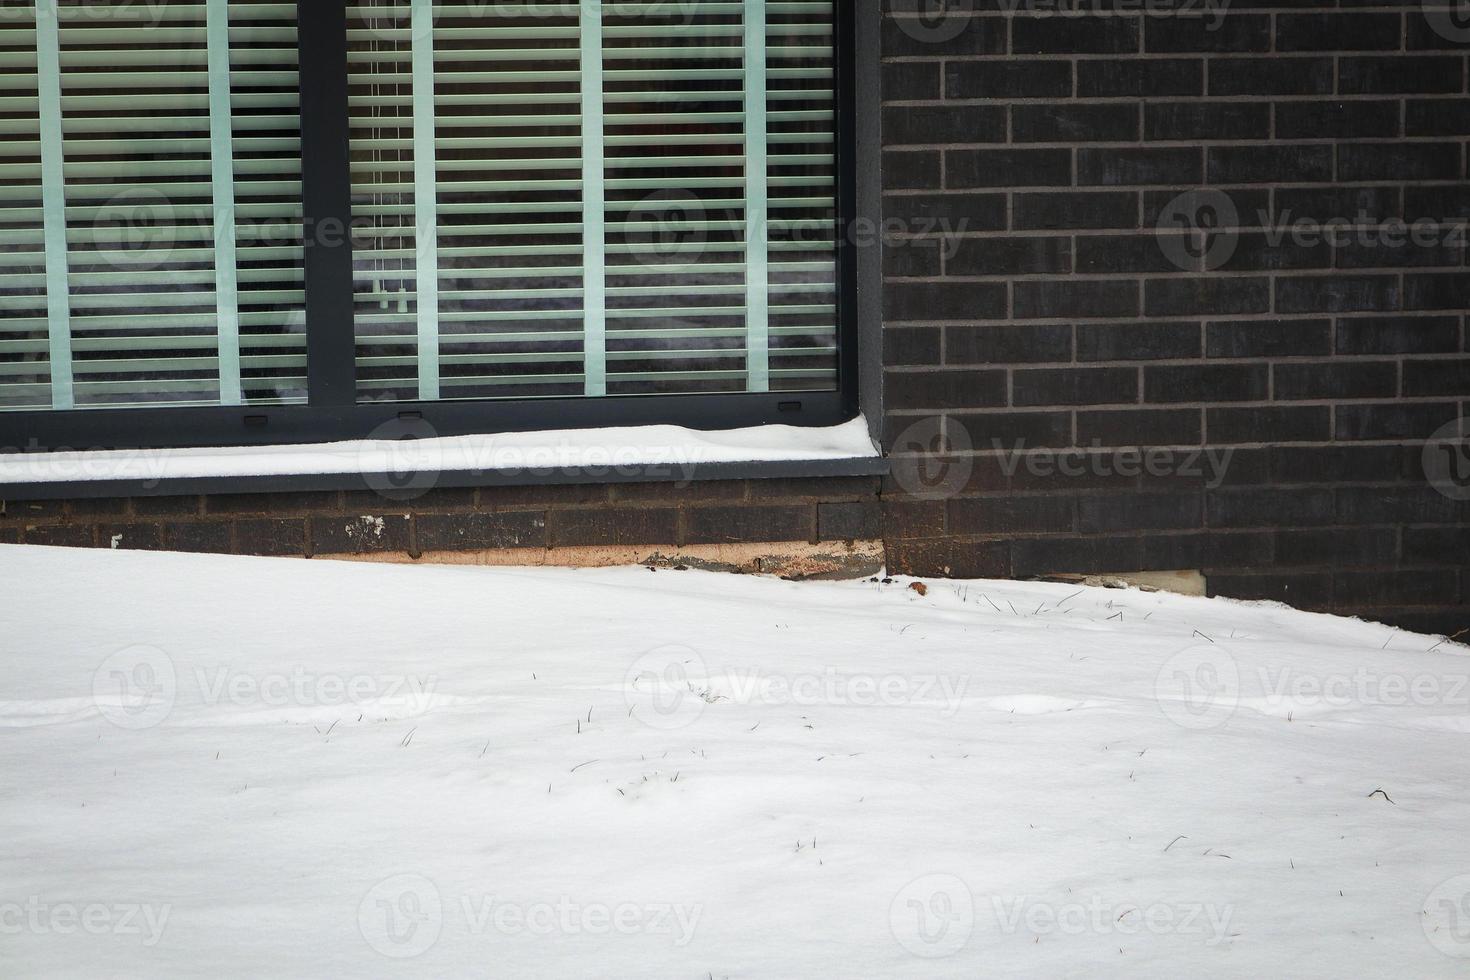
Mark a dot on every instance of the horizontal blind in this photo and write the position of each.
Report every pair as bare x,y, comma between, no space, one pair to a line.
178,222
25,373
486,230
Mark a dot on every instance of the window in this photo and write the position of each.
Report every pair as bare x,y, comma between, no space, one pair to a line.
487,214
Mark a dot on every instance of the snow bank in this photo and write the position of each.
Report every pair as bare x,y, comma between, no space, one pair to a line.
291,768
570,449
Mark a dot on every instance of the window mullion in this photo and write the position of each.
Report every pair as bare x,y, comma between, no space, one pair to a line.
222,174
53,202
326,190
757,300
594,218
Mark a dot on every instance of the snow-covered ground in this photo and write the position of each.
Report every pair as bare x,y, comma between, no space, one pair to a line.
232,766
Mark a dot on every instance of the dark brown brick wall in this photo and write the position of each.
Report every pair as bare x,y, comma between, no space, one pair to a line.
364,523
1062,305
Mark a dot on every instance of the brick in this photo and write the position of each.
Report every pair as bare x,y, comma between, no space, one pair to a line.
1143,341
1074,386
1008,79
1277,163
1210,296
1337,120
944,389
1336,464
9,535
365,534
912,258
911,169
306,502
1425,586
904,518
909,346
1425,545
1140,427
1206,550
1392,421
1445,203
910,81
1397,505
1030,255
469,532
1008,344
1250,204
951,558
1206,120
130,537
1270,76
403,501
1446,376
1074,210
533,497
1139,511
270,537
1006,429
943,124
1437,117
1010,514
1061,123
1074,35
978,212
1424,36
1305,590
1143,78
61,535
1391,250
32,510
1233,32
607,526
1321,205
1124,254
1332,546
208,537
1436,291
848,521
1309,423
1276,251
1276,507
1076,298
168,506
1399,161
1335,380
1204,382
789,487
1336,294
97,507
1337,31
1007,168
1075,555
909,37
1399,74
1268,338
718,525
928,301
1116,167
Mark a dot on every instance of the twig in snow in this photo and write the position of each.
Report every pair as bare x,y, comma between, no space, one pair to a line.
1175,841
581,764
1198,633
1380,792
407,738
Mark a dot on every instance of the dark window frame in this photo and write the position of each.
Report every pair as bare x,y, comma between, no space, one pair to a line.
332,413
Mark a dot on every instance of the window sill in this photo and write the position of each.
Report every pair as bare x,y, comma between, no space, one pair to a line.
403,469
